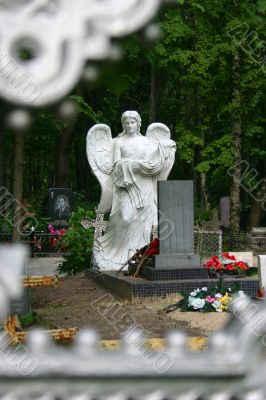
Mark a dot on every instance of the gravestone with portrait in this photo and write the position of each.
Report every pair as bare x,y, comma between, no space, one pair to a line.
59,205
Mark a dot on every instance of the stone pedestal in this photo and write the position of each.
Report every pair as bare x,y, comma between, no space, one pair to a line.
262,270
176,225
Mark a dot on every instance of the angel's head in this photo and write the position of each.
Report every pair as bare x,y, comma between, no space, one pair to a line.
127,117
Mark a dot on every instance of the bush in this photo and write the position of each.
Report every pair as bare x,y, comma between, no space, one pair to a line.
78,242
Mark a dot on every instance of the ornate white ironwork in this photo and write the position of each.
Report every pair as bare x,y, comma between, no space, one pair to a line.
44,44
233,365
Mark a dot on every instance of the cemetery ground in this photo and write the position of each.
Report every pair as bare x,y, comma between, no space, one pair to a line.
79,302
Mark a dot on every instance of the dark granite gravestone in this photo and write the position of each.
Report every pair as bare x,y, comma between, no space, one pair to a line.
59,204
176,225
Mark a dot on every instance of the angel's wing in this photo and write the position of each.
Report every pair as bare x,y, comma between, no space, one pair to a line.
161,133
158,131
100,156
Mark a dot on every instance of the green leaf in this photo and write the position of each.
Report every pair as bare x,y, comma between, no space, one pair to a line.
203,166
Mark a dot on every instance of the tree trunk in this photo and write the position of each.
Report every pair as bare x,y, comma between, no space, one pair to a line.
236,132
18,184
153,93
204,191
64,142
255,215
258,206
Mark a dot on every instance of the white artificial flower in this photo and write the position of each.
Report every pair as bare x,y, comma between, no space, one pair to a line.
197,290
194,293
191,301
204,289
198,303
218,295
216,304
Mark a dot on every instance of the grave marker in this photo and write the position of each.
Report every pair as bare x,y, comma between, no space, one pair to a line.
176,225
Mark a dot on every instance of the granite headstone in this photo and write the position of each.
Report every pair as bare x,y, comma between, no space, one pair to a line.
59,204
225,210
176,225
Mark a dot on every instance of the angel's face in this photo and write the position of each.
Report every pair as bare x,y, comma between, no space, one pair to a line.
131,126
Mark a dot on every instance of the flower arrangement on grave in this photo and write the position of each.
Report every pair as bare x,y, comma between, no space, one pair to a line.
55,235
209,300
226,264
140,257
151,250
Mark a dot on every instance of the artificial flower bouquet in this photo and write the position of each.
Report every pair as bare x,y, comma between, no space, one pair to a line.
207,300
53,238
226,264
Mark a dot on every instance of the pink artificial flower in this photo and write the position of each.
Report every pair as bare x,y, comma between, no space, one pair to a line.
210,299
50,228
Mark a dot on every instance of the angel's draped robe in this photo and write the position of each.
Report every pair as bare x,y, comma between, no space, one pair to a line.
134,205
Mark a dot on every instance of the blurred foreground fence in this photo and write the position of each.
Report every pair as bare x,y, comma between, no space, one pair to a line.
232,367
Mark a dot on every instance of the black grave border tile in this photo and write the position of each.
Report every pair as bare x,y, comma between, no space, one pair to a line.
162,274
130,288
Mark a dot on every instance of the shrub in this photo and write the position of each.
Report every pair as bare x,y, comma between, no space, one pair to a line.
79,243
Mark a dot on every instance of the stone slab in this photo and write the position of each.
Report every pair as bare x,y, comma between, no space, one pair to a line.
177,261
245,256
262,270
133,289
225,211
43,266
176,217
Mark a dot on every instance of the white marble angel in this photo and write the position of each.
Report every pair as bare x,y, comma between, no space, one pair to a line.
128,168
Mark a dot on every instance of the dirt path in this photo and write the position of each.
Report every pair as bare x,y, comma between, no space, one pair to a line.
79,302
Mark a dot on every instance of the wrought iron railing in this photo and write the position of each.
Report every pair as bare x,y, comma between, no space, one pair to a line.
42,244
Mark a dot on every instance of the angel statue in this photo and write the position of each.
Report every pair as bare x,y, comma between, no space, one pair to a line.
128,168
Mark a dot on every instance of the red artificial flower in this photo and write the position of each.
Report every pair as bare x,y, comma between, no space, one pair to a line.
241,265
153,248
53,241
227,255
220,265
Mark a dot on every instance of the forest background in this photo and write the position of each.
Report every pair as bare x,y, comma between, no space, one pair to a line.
204,78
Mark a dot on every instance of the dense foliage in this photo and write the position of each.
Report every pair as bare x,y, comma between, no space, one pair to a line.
78,242
205,79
